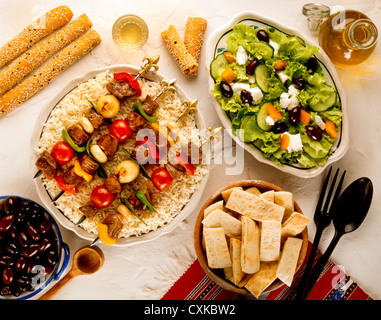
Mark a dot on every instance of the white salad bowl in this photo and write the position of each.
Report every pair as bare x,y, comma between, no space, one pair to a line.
217,42
46,198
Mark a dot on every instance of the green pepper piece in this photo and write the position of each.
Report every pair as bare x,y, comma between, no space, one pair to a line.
141,195
101,171
138,107
142,169
71,143
129,206
93,106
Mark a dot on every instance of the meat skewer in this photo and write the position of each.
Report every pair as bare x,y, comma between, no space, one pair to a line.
76,132
117,218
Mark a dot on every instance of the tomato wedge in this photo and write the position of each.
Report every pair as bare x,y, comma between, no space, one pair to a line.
62,152
161,179
121,130
101,197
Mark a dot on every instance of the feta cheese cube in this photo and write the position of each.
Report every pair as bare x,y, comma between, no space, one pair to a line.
293,90
241,56
282,76
288,101
319,122
275,46
256,93
270,121
239,86
295,142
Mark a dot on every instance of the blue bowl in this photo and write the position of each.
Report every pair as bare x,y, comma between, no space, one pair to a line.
60,267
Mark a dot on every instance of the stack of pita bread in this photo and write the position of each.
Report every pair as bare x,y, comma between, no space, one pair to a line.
253,237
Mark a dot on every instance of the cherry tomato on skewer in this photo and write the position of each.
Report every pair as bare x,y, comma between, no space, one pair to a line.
62,152
101,197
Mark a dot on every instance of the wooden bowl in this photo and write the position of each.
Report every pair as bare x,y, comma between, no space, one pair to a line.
217,275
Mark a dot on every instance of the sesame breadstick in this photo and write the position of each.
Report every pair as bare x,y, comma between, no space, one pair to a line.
179,52
38,30
194,36
47,73
35,57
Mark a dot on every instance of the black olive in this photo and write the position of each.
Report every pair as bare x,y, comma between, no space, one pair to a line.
294,115
246,97
226,89
312,64
250,68
279,127
300,83
314,133
263,36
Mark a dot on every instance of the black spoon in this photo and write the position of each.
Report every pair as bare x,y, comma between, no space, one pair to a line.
352,208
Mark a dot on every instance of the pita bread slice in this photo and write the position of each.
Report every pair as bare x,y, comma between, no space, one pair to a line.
250,260
226,194
254,207
286,200
220,219
235,255
263,278
216,248
289,260
270,240
268,195
294,225
214,206
253,190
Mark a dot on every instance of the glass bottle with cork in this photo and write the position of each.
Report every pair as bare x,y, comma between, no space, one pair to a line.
348,37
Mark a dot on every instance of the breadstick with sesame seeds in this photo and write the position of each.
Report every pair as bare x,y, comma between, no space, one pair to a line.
36,31
179,52
35,82
194,36
15,72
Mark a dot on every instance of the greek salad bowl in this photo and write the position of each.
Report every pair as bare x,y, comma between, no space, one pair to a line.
279,94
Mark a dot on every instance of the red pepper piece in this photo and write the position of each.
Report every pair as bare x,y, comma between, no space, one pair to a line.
184,161
69,188
148,144
126,77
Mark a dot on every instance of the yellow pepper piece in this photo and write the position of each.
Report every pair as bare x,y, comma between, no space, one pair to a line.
79,172
103,235
161,130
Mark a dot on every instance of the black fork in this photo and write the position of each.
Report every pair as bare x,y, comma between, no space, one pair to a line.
322,219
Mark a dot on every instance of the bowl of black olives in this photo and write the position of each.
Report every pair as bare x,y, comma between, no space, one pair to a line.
32,253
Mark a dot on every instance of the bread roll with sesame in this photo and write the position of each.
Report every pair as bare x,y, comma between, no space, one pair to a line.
179,52
38,30
35,57
194,36
35,82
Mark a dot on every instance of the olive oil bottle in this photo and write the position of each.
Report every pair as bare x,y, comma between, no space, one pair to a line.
348,37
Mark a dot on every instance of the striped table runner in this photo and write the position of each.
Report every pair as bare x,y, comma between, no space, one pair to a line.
333,284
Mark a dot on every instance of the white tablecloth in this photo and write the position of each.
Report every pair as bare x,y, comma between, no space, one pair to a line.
147,270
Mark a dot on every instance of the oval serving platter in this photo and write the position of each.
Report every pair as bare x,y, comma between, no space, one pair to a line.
217,44
46,198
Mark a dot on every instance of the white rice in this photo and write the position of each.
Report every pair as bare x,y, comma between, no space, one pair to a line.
76,104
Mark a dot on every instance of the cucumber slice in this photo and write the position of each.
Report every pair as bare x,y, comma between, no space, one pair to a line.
218,65
262,75
329,103
261,118
264,49
248,129
315,153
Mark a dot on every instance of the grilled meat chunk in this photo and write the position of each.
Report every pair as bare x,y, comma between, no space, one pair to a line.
95,119
70,177
173,171
149,105
152,194
88,165
112,184
78,135
114,225
89,210
135,121
108,144
135,203
47,165
120,89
